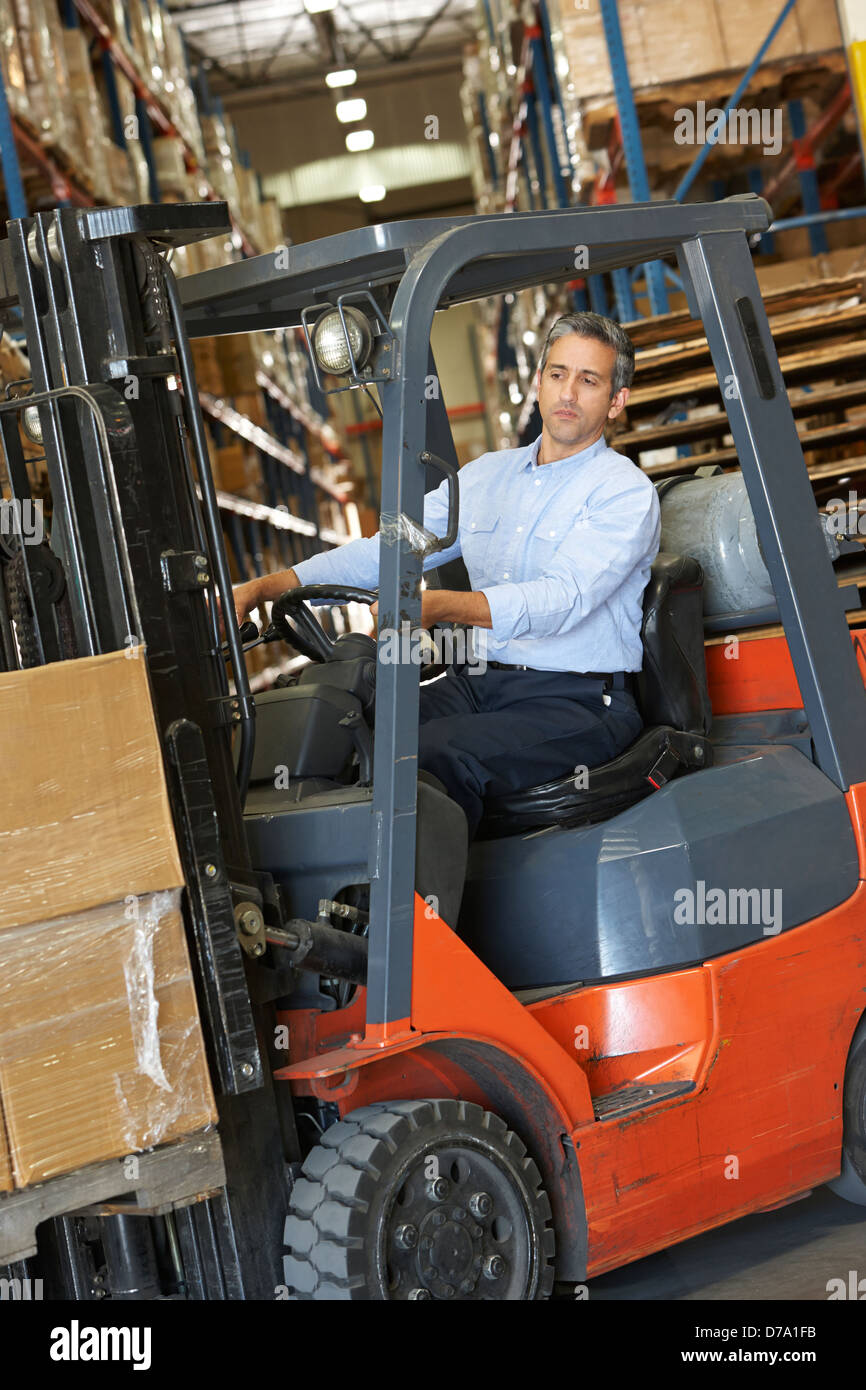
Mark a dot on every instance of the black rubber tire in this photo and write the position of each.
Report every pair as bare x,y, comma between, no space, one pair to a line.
346,1202
851,1183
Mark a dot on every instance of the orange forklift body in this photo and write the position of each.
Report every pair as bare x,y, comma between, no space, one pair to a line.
736,1066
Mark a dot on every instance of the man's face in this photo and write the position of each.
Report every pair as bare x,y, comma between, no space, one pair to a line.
574,390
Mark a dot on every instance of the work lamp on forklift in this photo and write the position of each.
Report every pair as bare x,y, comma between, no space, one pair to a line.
32,424
338,350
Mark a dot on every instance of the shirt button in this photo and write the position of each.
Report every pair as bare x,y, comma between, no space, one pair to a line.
506,575
553,533
538,482
519,529
473,525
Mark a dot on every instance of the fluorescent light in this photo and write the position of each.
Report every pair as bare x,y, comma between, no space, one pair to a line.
319,6
372,193
360,140
355,109
344,77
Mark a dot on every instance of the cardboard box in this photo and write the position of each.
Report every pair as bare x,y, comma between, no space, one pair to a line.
101,1052
239,361
251,404
208,373
12,63
234,467
663,45
44,68
86,818
5,1157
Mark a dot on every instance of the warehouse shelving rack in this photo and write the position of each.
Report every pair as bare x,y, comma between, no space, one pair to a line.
538,152
288,523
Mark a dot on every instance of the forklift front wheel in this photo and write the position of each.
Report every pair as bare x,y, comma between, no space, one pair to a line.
851,1182
419,1199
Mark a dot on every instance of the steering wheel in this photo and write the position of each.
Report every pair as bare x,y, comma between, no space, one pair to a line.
293,622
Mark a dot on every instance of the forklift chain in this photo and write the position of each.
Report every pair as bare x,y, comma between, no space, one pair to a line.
45,570
20,611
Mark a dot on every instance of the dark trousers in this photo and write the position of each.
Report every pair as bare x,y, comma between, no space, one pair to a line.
489,733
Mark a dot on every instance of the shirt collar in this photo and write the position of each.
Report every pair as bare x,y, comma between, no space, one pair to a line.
531,459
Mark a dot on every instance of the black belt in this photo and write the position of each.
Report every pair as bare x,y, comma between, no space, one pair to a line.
616,680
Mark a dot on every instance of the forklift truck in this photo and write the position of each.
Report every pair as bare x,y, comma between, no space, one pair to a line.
445,1074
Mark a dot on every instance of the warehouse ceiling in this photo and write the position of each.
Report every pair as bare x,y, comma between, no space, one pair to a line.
250,44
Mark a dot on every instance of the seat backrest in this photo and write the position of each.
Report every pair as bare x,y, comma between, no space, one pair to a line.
672,685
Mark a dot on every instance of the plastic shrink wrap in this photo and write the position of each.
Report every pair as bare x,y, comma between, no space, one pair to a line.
101,1049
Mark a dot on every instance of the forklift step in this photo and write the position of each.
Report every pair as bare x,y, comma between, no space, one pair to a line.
617,1103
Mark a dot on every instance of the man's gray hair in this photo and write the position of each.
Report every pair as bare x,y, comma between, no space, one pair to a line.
588,325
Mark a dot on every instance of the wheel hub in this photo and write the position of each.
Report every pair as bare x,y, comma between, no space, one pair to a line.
450,1250
455,1236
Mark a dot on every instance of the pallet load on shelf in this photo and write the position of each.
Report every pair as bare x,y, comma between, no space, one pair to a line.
221,158
134,153
88,113
236,468
14,367
46,79
178,94
271,232
12,62
674,66
171,171
113,13
241,356
720,36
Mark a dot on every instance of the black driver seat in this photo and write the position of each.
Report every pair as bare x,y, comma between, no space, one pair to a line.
672,696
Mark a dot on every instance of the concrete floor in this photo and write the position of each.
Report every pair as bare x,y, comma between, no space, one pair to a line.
786,1254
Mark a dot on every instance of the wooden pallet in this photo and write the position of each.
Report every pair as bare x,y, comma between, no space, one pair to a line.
816,76
645,332
819,330
829,363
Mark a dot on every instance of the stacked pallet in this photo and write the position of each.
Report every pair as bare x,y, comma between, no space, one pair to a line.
817,329
680,74
721,37
675,421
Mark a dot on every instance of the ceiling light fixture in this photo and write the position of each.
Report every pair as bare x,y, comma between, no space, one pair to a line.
343,77
360,140
354,109
372,193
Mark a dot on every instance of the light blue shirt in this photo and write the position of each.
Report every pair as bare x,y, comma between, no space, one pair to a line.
561,550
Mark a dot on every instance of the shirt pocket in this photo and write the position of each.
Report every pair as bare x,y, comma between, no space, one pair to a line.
546,541
478,543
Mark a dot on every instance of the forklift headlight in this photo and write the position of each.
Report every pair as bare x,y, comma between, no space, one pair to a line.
32,424
329,341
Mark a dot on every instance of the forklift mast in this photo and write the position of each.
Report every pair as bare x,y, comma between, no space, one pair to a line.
135,527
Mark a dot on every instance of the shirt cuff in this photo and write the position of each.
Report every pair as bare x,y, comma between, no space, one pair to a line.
507,610
317,570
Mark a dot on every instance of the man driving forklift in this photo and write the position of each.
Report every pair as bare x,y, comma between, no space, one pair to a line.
558,538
